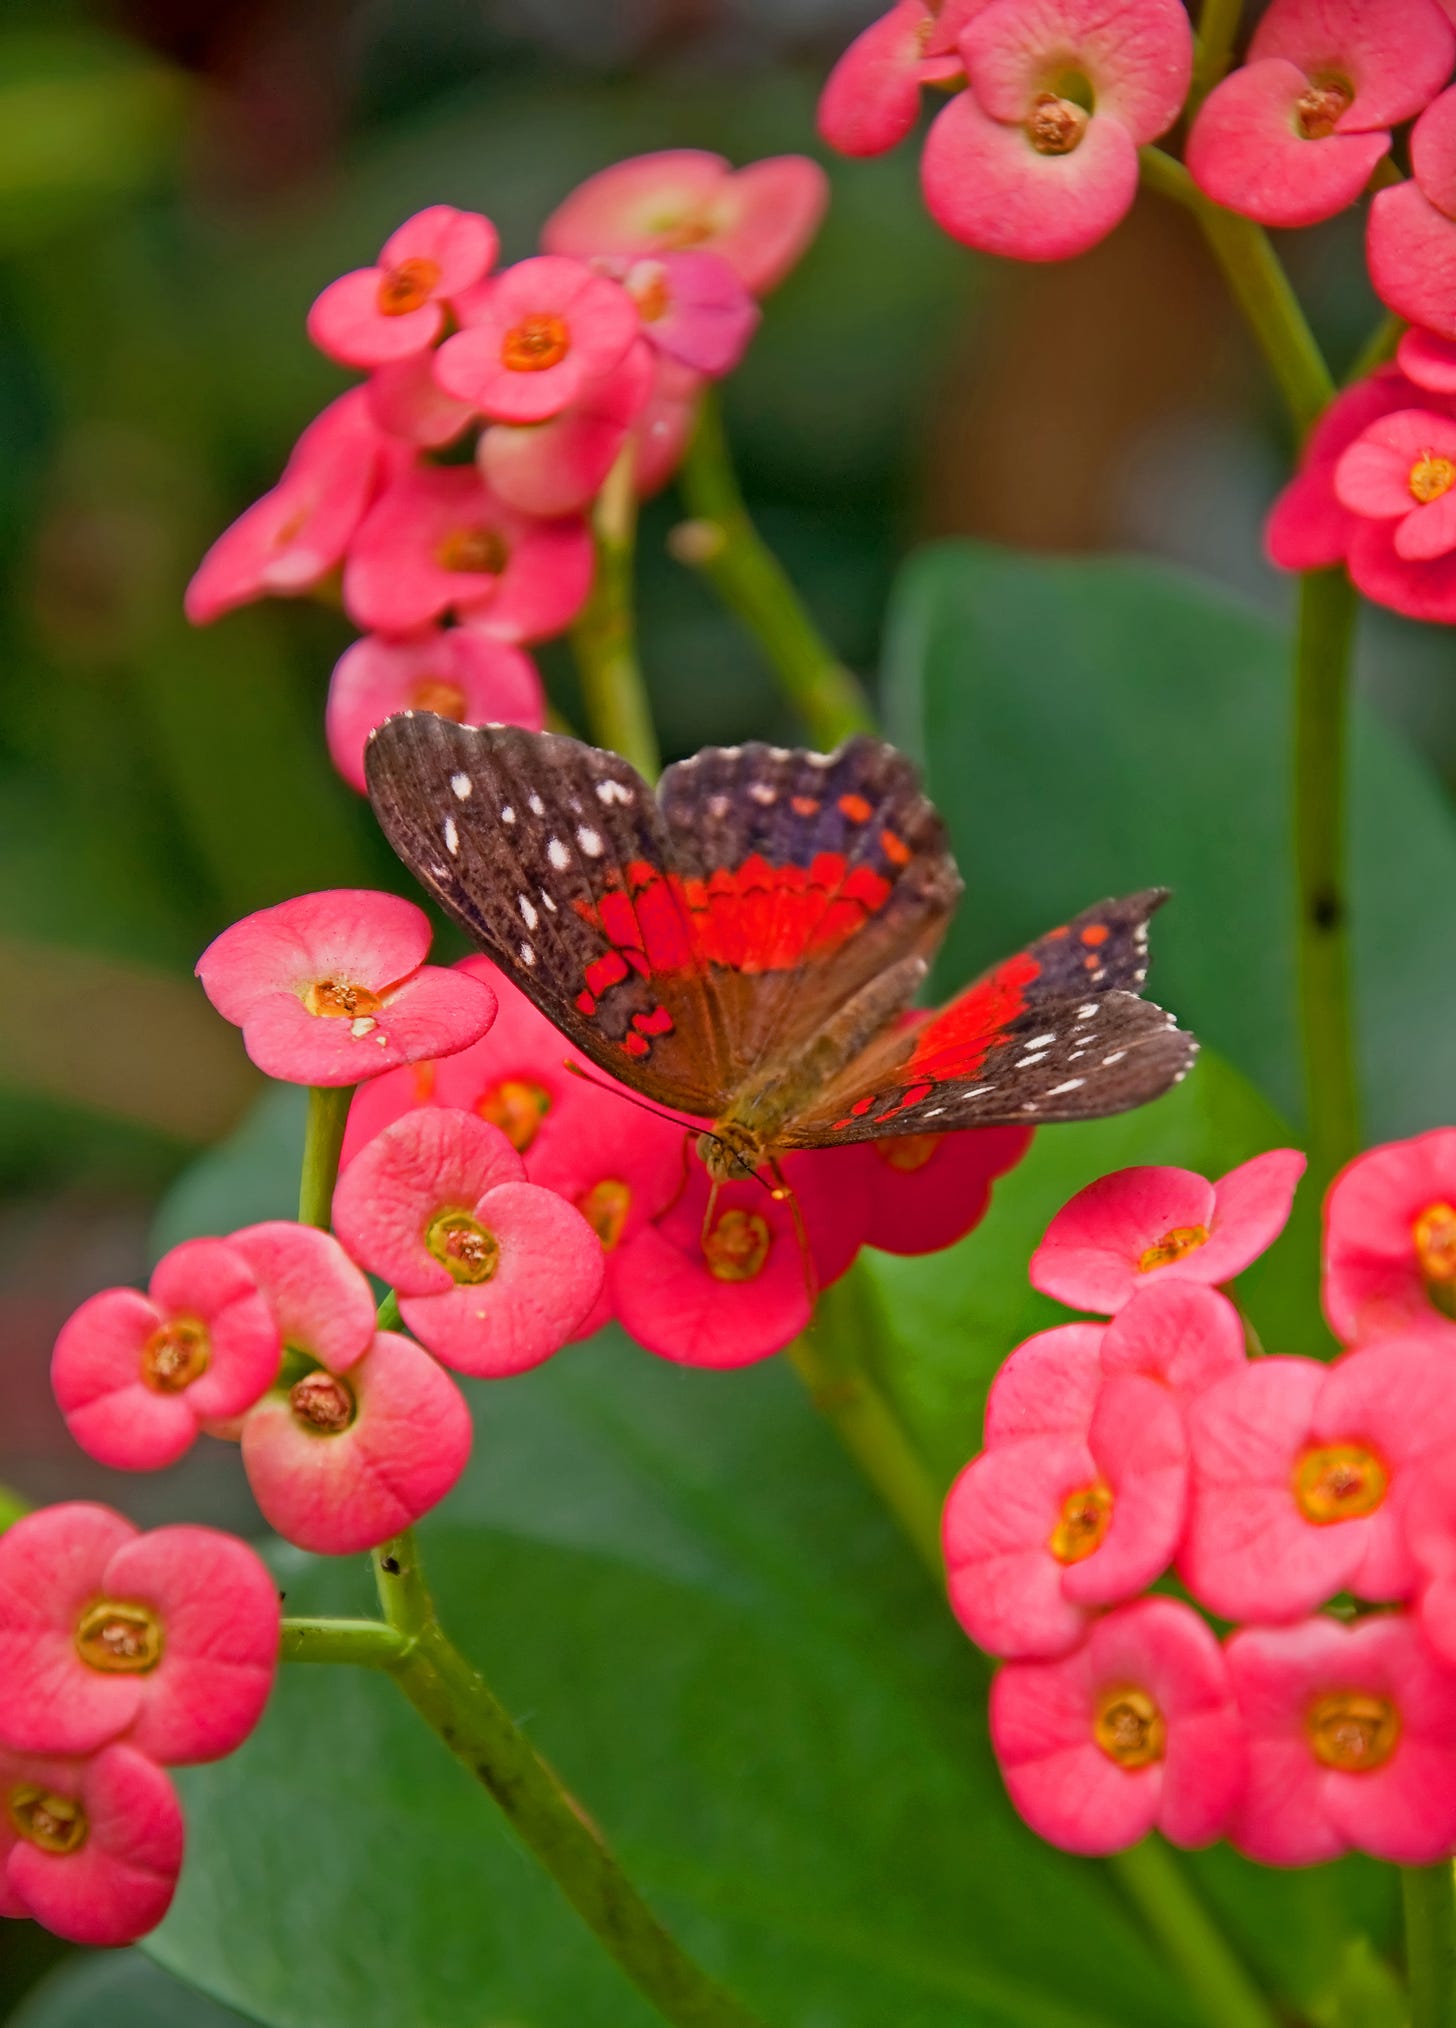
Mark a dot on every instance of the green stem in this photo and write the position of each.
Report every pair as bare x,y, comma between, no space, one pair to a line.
604,639
721,541
12,1506
1218,24
366,1643
328,1115
1154,1883
1322,654
1378,348
1429,1895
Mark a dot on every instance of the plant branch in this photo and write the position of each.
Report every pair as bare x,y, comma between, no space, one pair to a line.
721,541
1218,24
369,1644
1429,1897
1191,1940
604,638
328,1115
1378,348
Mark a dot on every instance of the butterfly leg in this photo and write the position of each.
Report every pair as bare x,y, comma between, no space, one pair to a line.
784,1192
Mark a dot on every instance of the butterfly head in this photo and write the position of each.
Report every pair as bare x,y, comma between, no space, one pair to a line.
731,1152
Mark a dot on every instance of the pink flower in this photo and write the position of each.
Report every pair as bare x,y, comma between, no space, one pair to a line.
339,1463
333,988
89,1849
1048,1386
1400,471
1390,1239
1351,1743
1308,528
1411,235
1296,1469
440,541
1182,1333
291,539
399,307
558,467
693,308
664,429
493,1273
929,1190
458,672
320,1302
1016,166
1103,1244
1134,1731
1041,1530
536,337
407,401
871,99
1428,1511
136,1376
168,1640
759,219
1293,137
740,1288
1428,361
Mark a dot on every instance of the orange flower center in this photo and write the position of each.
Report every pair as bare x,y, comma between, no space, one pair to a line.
1339,1482
1353,1730
339,999
474,549
1055,125
445,699
1129,1728
404,288
1177,1242
605,1208
463,1247
175,1355
738,1245
1085,1519
119,1638
676,235
55,1823
1318,111
1434,1233
534,344
1430,476
323,1403
517,1107
648,285
907,1152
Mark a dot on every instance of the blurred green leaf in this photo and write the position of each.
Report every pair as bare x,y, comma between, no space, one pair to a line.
1363,1993
123,1989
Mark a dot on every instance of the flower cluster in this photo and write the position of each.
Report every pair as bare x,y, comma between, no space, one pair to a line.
120,1654
1310,1504
1035,156
548,372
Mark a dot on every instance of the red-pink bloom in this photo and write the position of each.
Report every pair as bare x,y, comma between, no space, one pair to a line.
759,218
694,309
740,1288
1048,1386
535,338
871,98
339,1463
1017,165
1428,1513
136,1376
89,1849
1351,1742
1308,528
1105,1243
440,541
929,1190
664,429
291,539
1410,240
1296,1468
492,1273
1182,1333
320,1302
1390,1239
1135,1731
399,306
1041,1531
557,467
333,988
1428,361
407,401
1400,471
1293,137
168,1640
458,672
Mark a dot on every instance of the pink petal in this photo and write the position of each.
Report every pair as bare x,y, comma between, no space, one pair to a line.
495,683
369,939
709,315
96,1377
666,1296
1429,532
872,97
599,318
1074,1796
1422,591
1246,150
1428,360
1089,1257
431,1161
1396,1398
1006,1587
1410,247
1137,1440
1048,1387
406,401
765,218
119,1883
435,1011
627,208
462,244
923,1209
987,186
1395,53
1177,1332
1307,528
321,1303
208,1280
1251,1207
1137,56
53,1565
1373,476
558,466
1433,152
545,584
347,324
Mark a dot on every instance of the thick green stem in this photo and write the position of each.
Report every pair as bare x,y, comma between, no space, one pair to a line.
1429,1895
1218,24
1378,348
328,1115
604,639
367,1643
1159,1889
1322,654
721,541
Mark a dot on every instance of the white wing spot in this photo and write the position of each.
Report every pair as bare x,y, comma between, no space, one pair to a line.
440,872
528,956
975,1090
1116,1057
1086,1013
613,792
508,815
778,753
1042,1041
590,841
1100,973
719,806
528,911
547,903
762,794
932,1112
451,837
557,853
535,805
823,760
1030,1062
1072,1084
462,785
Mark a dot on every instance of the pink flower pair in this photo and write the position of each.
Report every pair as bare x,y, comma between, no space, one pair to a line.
1411,237
118,1651
1037,156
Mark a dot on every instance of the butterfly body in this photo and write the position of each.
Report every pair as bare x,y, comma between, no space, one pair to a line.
746,945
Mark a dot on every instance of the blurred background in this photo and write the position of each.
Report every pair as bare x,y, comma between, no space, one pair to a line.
178,178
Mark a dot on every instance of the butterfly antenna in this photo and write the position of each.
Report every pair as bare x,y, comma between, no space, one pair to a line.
783,1192
620,1091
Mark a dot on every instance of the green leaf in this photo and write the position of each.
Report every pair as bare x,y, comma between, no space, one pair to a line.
1091,727
123,1989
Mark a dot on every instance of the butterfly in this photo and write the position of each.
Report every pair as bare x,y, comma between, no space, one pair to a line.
746,944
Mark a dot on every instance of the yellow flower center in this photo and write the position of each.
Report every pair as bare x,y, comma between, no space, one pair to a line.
1339,1482
55,1823
323,1403
1176,1243
605,1208
517,1107
534,344
479,550
1318,111
1353,1730
1434,1233
463,1247
738,1245
1430,476
1085,1519
119,1638
445,699
340,999
1129,1728
175,1355
407,286
1055,125
907,1152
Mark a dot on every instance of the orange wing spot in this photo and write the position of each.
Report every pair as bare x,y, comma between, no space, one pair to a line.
856,809
1059,931
910,1096
608,970
840,1125
957,1041
804,806
862,1105
1091,962
658,1022
1096,933
617,917
636,1045
895,849
586,1003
